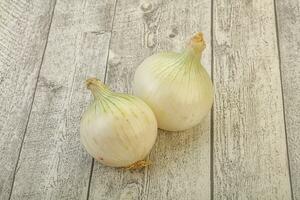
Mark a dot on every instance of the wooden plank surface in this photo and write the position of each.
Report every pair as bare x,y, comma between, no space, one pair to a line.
24,27
288,17
250,158
181,168
53,164
43,107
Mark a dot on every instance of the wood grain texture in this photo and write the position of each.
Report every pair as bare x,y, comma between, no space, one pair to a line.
288,16
181,168
53,164
250,158
24,27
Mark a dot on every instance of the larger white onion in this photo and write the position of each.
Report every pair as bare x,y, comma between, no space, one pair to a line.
176,86
117,129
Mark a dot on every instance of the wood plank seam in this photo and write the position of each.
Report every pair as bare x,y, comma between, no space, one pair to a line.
212,108
24,134
104,80
282,96
90,178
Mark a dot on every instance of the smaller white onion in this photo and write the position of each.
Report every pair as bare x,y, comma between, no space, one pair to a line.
118,130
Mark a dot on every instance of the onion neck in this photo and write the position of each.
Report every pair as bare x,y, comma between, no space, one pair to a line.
98,89
195,46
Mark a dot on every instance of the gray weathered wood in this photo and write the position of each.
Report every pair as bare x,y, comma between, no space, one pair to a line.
24,27
181,168
53,164
288,16
250,158
249,144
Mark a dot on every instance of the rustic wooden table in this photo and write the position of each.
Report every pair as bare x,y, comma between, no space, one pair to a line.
249,146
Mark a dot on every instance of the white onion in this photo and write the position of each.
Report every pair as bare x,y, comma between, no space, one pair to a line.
176,86
118,130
